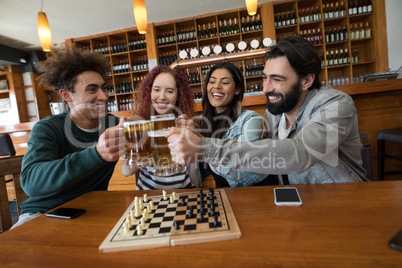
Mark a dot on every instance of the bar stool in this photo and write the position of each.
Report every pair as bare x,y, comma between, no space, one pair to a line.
392,135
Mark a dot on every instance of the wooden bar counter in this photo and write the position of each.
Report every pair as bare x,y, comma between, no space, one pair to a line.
338,225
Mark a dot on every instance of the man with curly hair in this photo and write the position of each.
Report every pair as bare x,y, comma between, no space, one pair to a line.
74,152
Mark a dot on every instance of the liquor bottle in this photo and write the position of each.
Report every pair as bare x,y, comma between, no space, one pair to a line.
230,30
345,33
236,26
214,31
225,28
319,36
350,8
260,23
369,6
357,32
355,9
362,31
199,32
336,58
292,18
248,26
356,58
276,20
243,25
220,28
336,10
301,15
331,14
327,58
331,36
209,33
368,30
204,31
288,18
359,7
346,58
342,11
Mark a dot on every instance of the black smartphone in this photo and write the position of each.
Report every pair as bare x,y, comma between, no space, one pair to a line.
66,213
287,196
396,241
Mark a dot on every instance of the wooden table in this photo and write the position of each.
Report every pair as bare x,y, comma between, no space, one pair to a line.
342,225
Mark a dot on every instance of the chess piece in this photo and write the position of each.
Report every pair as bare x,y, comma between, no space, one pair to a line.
164,195
145,198
139,229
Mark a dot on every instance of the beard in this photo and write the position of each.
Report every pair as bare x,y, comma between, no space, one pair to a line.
288,101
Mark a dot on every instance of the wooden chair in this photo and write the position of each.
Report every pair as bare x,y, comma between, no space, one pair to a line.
10,167
366,155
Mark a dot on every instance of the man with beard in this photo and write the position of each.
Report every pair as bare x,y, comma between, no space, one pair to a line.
311,134
74,152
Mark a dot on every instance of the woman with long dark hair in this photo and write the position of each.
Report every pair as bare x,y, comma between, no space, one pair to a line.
224,117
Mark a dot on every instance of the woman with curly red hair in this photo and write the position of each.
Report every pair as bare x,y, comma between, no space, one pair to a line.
163,91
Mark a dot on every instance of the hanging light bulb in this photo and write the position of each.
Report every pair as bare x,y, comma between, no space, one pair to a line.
140,15
251,7
45,36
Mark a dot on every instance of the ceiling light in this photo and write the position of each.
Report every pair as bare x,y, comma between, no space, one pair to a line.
251,7
140,15
45,36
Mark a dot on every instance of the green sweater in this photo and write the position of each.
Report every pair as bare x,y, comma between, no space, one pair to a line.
62,163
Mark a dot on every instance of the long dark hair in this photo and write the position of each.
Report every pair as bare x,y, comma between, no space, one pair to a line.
302,56
232,111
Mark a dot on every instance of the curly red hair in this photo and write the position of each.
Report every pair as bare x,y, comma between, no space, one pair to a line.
185,96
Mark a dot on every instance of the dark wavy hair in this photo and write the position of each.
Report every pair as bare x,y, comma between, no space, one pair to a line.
64,64
234,108
185,96
302,56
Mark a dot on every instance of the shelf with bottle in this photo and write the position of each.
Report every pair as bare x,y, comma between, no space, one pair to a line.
207,28
335,34
337,57
139,64
101,45
313,35
250,24
358,7
185,32
136,42
118,44
193,76
360,31
333,10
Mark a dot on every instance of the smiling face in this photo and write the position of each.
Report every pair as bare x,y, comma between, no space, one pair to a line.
89,100
164,93
221,89
282,86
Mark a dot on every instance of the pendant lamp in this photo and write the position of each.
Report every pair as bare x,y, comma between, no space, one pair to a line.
251,7
45,36
140,15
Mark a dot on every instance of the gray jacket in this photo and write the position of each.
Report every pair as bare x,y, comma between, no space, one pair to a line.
323,145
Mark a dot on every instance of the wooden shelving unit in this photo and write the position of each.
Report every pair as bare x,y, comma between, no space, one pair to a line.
123,47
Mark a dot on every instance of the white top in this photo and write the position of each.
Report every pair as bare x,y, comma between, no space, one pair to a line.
282,131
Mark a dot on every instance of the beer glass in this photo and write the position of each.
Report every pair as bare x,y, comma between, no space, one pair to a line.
163,121
138,150
161,158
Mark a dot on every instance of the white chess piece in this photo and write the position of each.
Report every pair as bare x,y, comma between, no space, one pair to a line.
151,205
164,195
139,229
174,196
145,198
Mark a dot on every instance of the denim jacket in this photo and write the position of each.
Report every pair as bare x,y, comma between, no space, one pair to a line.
323,145
248,127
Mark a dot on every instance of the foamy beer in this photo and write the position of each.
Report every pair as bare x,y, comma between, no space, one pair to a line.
163,121
138,149
161,158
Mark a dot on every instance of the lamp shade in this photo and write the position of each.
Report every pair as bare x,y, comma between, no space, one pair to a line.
140,15
45,36
251,7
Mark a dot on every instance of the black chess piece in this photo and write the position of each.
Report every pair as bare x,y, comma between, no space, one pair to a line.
176,225
216,220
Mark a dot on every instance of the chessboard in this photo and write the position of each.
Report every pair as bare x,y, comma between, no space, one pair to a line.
174,219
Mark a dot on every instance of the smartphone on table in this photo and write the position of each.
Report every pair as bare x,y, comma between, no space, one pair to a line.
66,213
287,196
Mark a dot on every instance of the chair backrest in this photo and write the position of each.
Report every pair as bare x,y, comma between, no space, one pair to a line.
6,145
366,155
10,166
